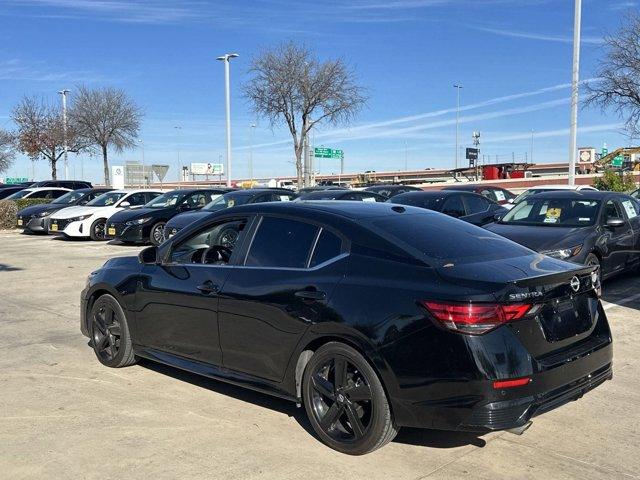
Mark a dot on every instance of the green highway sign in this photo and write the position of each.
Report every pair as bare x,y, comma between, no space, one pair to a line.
617,161
323,152
11,181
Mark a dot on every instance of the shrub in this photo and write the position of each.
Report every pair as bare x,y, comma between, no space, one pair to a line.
615,182
8,210
27,202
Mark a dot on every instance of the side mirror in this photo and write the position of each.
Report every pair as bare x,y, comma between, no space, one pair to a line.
615,222
497,217
125,204
148,256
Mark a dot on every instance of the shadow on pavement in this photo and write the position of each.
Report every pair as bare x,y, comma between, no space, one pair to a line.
8,268
409,436
623,290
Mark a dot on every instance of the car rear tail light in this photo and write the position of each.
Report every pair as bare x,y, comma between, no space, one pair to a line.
516,382
475,319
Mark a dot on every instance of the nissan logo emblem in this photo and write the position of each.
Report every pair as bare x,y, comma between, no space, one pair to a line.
575,284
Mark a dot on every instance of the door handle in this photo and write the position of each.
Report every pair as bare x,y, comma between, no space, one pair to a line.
311,295
208,288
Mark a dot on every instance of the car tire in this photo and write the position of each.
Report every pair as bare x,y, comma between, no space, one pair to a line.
109,333
349,411
98,230
156,237
593,260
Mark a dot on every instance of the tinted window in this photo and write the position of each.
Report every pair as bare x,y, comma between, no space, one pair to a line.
281,243
69,197
446,240
417,200
476,204
225,234
612,211
150,196
328,247
453,206
55,193
136,199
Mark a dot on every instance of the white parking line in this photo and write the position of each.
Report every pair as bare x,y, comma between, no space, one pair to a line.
608,305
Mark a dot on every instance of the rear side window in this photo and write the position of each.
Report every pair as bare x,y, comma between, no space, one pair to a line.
328,246
476,204
446,240
282,243
453,206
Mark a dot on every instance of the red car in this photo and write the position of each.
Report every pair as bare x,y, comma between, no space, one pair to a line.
497,194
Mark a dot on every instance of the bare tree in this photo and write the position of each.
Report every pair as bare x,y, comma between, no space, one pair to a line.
40,132
7,151
107,119
289,84
618,86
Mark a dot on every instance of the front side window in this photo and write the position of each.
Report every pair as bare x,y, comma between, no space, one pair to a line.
213,245
612,211
563,212
281,243
106,199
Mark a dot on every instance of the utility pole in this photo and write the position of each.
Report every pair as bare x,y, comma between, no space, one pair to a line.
251,130
531,150
64,132
144,174
178,128
573,147
227,94
458,88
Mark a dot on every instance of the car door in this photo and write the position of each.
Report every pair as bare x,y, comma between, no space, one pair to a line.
177,300
631,208
290,269
618,241
478,209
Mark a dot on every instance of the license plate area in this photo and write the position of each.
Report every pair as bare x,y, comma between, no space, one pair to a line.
111,231
54,227
20,222
568,316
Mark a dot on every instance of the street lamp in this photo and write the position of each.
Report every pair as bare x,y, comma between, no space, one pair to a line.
458,88
225,58
64,131
251,129
574,92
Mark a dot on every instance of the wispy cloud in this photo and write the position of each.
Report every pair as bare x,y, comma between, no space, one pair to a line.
15,69
607,127
623,5
376,129
539,36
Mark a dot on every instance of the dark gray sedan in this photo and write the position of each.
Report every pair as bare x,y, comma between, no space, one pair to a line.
587,227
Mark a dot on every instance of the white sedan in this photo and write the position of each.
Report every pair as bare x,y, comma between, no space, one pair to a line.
89,221
47,193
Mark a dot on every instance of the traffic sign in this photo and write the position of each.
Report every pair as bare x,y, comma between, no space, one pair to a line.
14,180
472,153
160,171
323,152
617,161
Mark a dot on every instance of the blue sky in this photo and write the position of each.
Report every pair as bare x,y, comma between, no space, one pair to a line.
513,58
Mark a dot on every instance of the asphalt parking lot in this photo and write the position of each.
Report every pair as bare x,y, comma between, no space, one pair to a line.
64,415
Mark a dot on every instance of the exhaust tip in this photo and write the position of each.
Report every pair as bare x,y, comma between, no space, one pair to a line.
520,430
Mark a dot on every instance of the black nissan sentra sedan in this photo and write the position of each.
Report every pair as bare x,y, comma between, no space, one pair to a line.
228,200
36,217
587,227
146,224
468,206
374,316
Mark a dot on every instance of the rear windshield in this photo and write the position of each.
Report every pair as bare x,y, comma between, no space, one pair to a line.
552,212
444,240
229,200
431,202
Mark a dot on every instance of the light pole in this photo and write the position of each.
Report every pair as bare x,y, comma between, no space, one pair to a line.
178,128
64,93
144,179
225,58
458,88
251,129
574,92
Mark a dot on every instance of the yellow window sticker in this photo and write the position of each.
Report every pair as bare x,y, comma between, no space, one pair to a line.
554,212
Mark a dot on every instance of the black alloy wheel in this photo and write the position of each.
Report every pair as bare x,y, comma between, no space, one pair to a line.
157,233
98,229
593,261
110,333
345,401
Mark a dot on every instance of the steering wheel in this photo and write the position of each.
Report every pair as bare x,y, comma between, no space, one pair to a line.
222,255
